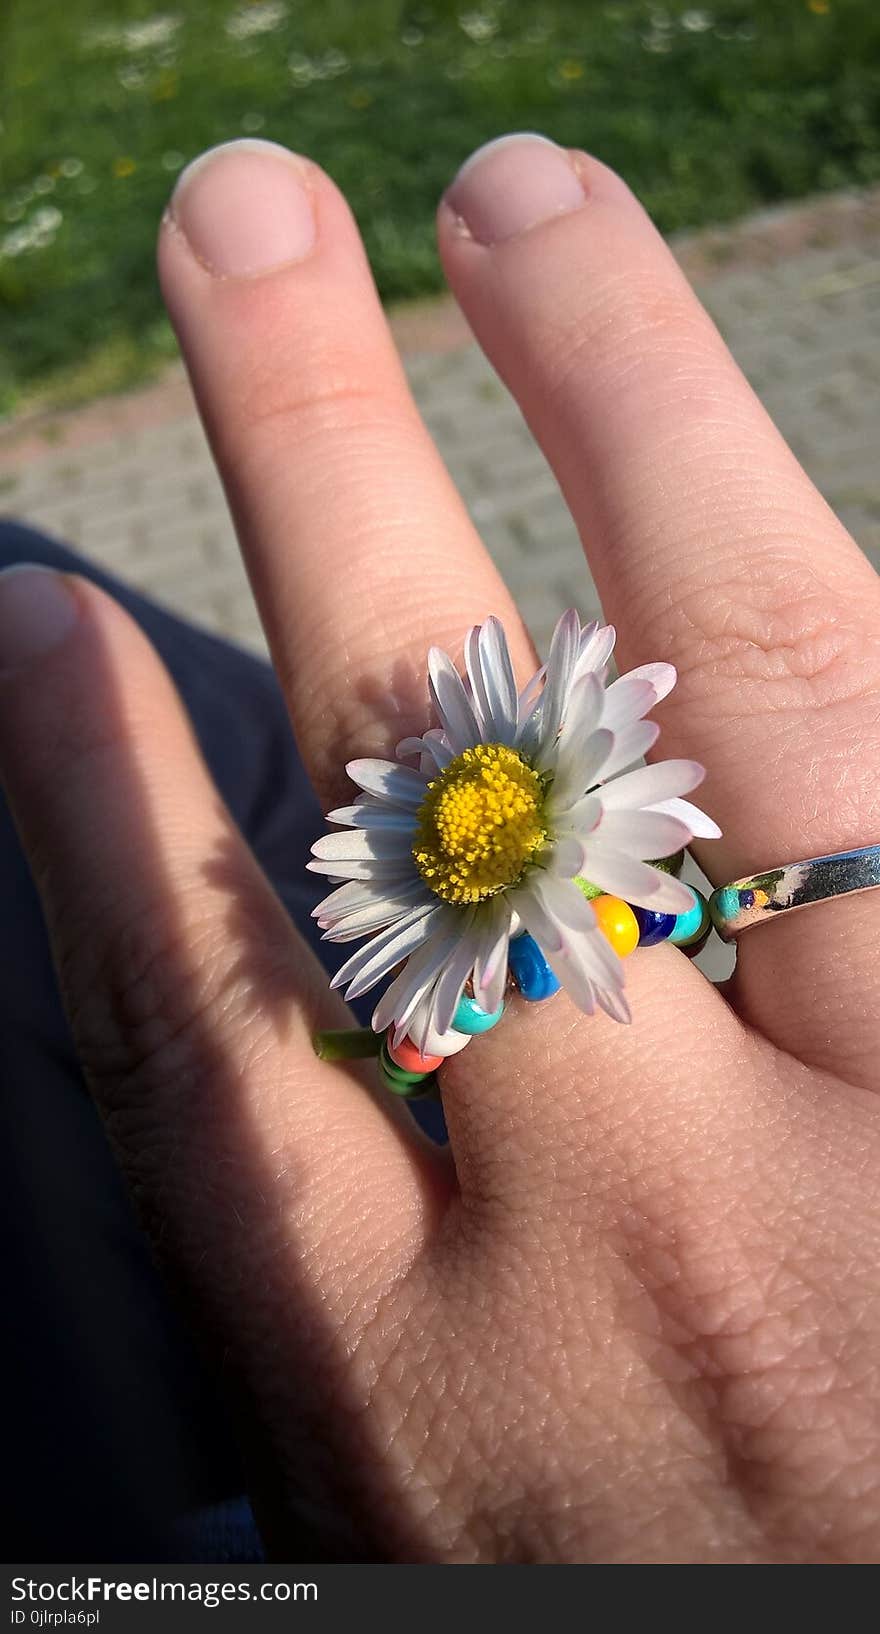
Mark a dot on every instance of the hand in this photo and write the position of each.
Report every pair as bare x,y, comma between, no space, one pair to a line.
635,1315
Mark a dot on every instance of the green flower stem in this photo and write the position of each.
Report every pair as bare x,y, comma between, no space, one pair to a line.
347,1044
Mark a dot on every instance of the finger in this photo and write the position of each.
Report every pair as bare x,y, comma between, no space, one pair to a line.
359,550
708,544
191,998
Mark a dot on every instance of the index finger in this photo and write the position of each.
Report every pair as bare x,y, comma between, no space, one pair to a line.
360,552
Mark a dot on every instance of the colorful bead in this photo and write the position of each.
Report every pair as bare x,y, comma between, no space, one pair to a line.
728,902
588,888
407,1056
530,970
425,1087
693,925
445,1044
618,923
670,865
407,1079
469,1018
653,927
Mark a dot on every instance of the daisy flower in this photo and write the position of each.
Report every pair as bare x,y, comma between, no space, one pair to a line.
485,826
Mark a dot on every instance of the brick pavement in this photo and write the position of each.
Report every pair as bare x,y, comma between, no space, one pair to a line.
796,294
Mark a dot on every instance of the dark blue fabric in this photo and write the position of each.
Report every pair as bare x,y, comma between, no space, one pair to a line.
115,1445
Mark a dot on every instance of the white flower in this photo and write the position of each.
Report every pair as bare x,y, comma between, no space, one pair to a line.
509,801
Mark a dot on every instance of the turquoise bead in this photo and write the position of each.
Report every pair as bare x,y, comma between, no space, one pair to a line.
469,1018
727,902
531,972
692,924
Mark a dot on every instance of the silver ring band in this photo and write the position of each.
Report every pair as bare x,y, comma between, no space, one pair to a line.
746,902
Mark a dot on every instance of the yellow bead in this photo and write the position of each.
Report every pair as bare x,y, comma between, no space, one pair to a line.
617,922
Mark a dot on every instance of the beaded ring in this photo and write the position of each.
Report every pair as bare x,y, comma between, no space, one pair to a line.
511,842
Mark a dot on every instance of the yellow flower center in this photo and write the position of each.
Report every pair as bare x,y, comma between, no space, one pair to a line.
481,821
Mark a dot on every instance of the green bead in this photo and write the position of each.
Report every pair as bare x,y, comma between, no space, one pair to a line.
690,926
669,865
399,1074
425,1086
588,889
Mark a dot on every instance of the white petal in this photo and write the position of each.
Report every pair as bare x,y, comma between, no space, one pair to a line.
436,746
636,882
381,910
499,684
377,957
569,906
451,982
430,1042
662,678
453,706
400,785
392,871
560,668
350,898
432,750
528,901
343,900
552,909
627,700
581,714
475,677
580,818
595,648
647,785
630,743
614,1004
580,768
418,975
701,826
587,966
372,815
644,834
565,857
352,843
490,965
530,694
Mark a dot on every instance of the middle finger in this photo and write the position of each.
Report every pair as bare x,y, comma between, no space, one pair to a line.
707,541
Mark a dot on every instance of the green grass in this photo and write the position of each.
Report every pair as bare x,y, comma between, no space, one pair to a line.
709,111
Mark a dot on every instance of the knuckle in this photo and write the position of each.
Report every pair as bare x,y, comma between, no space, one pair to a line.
141,1002
780,628
327,388
631,322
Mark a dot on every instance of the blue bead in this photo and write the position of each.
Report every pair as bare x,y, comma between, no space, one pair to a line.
469,1018
688,926
531,972
653,927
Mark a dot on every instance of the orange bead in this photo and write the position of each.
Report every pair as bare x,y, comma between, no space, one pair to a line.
617,922
406,1055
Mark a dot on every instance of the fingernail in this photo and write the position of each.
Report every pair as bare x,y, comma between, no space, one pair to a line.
244,209
37,610
513,184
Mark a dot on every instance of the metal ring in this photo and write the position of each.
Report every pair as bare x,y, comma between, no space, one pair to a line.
746,902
